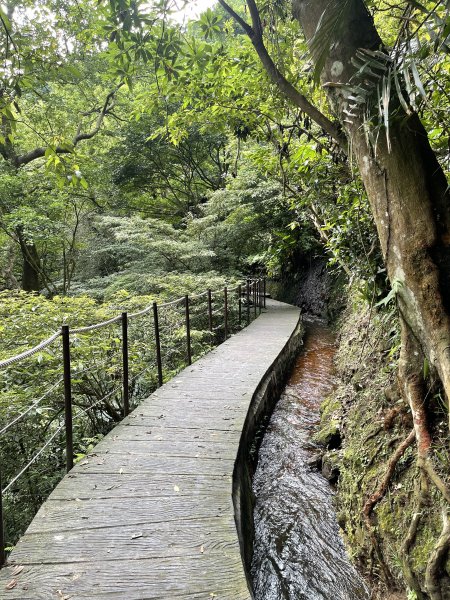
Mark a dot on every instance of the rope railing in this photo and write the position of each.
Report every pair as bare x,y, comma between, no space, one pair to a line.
89,328
225,304
23,355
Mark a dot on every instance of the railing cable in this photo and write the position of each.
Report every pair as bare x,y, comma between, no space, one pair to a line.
30,408
35,457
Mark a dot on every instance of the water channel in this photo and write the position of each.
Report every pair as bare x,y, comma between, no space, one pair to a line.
298,552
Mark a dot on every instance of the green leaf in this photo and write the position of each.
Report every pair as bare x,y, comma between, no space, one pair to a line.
6,22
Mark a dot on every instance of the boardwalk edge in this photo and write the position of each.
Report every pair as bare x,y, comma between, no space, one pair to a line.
261,406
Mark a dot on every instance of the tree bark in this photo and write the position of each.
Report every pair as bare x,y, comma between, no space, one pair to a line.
31,280
406,188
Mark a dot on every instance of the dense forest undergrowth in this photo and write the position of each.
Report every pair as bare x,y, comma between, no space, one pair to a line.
144,157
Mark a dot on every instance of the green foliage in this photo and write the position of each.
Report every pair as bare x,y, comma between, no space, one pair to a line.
392,295
245,225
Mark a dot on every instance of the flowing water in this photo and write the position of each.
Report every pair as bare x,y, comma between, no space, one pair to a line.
298,552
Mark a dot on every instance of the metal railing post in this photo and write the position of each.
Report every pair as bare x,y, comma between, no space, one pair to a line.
259,296
2,528
157,344
240,304
188,331
125,374
264,292
225,319
247,293
210,316
67,397
254,298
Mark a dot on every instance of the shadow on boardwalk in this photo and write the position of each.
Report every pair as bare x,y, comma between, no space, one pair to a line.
149,514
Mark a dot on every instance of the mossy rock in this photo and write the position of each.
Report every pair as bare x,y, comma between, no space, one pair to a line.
331,466
329,434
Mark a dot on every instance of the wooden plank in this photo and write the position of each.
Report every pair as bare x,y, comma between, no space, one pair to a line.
190,410
190,434
137,485
195,393
66,515
229,593
154,445
199,419
168,464
148,540
136,579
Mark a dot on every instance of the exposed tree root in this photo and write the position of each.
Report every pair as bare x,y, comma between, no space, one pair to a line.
427,466
379,494
434,573
390,416
412,386
410,538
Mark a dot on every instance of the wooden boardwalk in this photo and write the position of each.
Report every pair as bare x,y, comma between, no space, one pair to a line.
149,514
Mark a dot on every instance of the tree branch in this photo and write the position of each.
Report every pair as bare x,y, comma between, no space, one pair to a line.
245,26
108,105
255,34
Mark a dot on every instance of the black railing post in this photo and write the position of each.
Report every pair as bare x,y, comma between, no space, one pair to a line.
2,528
157,344
240,303
259,296
210,316
225,307
188,331
264,292
254,298
247,293
125,374
67,397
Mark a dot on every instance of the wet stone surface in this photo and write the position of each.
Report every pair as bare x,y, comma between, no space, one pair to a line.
298,552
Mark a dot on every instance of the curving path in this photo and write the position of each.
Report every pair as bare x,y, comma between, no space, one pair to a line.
149,514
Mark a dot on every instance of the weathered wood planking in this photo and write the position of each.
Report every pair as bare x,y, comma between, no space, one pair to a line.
137,485
149,514
58,515
148,540
207,573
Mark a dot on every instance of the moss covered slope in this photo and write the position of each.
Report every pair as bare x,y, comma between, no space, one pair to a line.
391,530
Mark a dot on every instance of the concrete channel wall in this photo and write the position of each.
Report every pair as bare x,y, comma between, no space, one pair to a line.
262,404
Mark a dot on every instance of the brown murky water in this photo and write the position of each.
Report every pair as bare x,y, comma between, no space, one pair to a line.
298,552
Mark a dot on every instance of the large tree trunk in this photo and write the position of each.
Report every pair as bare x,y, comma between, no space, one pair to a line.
406,187
31,280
